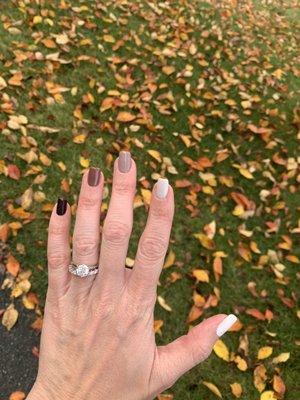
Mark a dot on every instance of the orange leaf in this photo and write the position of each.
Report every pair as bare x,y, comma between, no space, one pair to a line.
125,116
218,269
17,395
13,265
278,385
256,314
195,313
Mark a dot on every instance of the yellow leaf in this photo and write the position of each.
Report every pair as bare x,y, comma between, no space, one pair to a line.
168,69
238,210
37,19
3,83
236,389
170,259
264,352
27,303
162,302
193,49
155,154
247,174
283,357
109,39
268,395
84,162
205,241
62,166
201,275
45,160
221,350
79,138
26,198
125,116
146,194
241,363
213,388
246,104
10,317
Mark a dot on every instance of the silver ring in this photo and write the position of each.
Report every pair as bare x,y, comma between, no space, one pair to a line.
83,270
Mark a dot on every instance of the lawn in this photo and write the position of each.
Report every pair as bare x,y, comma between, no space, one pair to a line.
204,93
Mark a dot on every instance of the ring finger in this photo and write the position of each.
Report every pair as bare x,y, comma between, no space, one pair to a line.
86,236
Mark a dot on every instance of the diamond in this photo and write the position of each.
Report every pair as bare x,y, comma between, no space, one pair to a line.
82,270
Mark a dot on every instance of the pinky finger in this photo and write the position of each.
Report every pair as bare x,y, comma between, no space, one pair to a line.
58,249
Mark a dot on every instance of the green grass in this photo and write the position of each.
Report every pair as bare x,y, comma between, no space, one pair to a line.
247,45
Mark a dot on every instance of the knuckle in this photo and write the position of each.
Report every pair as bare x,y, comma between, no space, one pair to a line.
85,245
58,230
116,232
124,187
152,248
198,352
88,203
161,212
57,260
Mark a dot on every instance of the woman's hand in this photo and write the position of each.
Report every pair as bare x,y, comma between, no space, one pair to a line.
98,340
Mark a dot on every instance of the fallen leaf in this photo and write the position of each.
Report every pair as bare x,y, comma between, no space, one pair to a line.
18,395
205,241
283,357
221,350
278,385
236,389
201,275
170,259
12,265
213,388
264,352
10,317
162,302
125,116
268,395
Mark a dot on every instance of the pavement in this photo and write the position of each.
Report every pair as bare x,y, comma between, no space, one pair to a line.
18,365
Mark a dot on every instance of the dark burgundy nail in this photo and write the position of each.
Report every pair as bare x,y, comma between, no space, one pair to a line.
61,207
94,176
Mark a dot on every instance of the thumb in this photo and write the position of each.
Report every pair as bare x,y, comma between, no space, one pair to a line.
188,350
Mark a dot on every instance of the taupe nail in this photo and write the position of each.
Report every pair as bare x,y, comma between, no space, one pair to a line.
94,176
124,161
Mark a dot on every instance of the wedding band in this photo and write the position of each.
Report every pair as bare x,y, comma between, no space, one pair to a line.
83,270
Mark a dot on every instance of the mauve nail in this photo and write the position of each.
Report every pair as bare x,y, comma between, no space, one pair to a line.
94,176
124,161
61,207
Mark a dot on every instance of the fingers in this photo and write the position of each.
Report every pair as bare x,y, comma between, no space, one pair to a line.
184,353
86,235
154,242
58,249
117,225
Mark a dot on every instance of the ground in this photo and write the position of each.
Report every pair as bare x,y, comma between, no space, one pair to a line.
204,93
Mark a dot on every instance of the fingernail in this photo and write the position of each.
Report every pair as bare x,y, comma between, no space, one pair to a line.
161,188
94,176
226,324
61,207
124,161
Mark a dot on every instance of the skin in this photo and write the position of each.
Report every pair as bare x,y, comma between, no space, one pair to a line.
98,340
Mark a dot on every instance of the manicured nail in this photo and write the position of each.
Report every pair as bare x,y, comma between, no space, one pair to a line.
161,188
94,176
61,207
226,324
124,161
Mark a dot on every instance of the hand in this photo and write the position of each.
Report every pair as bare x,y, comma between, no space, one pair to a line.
98,340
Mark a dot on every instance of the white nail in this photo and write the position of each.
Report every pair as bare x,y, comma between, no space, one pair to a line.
226,324
162,188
